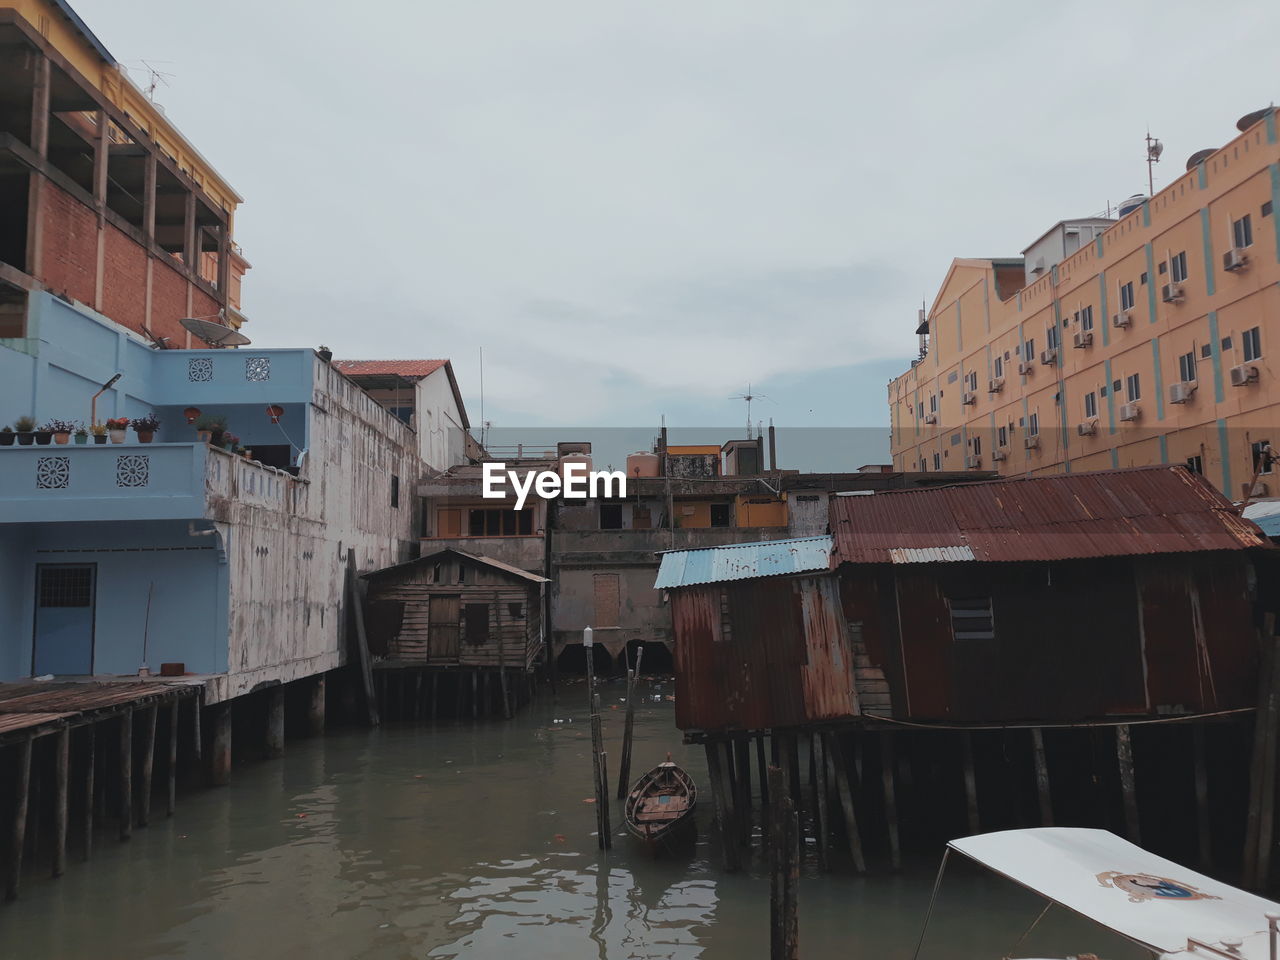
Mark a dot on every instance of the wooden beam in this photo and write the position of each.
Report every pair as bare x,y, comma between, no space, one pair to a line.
220,759
890,799
784,868
21,793
61,773
1124,758
728,839
819,756
844,787
40,87
1042,777
90,738
125,759
171,769
148,763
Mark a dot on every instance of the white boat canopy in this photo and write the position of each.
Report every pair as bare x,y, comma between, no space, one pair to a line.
1150,900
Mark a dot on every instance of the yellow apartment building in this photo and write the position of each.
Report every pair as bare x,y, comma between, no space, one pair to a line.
1115,343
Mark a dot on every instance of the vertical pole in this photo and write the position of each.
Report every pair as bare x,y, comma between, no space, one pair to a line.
728,842
1042,777
970,782
844,787
275,721
763,766
784,868
148,764
1124,757
21,790
435,690
90,736
819,756
316,706
1261,768
742,769
171,771
220,762
596,773
605,824
126,774
628,727
62,761
1203,831
475,695
890,801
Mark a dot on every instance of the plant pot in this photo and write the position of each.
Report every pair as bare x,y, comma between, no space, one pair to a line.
26,439
145,436
61,438
6,439
203,436
80,441
99,438
117,436
43,438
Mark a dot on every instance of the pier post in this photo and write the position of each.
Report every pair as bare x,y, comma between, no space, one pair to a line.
1042,777
148,764
275,721
90,758
844,787
62,763
220,760
126,774
763,766
890,800
1203,831
784,869
628,727
970,782
728,840
1124,757
742,770
21,791
316,707
819,763
171,770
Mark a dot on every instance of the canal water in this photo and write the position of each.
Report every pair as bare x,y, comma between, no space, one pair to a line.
473,840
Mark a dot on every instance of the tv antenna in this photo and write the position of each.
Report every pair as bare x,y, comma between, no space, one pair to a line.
749,396
1154,149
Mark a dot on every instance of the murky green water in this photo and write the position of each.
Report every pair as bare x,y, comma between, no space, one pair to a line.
473,841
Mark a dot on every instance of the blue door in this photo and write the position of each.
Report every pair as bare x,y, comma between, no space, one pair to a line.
64,619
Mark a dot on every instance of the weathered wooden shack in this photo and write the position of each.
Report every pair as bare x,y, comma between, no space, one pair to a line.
454,611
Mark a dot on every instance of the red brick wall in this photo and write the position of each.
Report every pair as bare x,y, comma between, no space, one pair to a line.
169,303
69,246
124,279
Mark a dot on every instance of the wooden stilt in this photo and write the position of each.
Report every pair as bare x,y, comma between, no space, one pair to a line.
763,767
126,774
1203,832
171,769
742,780
316,706
596,773
792,751
148,763
417,695
62,763
890,801
197,737
606,824
728,841
819,764
729,783
784,869
475,698
435,694
90,759
1124,757
21,792
1042,777
970,782
275,721
844,787
628,727
220,761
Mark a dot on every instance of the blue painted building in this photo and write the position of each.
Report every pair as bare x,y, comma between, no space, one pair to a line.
119,555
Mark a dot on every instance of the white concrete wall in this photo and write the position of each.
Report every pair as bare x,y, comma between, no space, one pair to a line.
441,440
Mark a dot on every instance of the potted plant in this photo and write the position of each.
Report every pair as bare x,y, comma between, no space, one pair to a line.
44,435
61,430
81,435
146,427
207,425
116,427
25,427
99,431
230,441
7,436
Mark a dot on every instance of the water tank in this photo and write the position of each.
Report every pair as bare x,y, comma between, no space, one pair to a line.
1133,203
642,464
583,458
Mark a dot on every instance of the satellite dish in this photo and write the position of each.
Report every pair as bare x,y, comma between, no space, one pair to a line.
1249,119
213,333
1200,156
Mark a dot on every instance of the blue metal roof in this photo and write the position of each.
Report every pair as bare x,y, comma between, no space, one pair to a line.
743,561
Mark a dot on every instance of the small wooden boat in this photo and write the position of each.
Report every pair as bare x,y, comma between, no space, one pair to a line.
661,803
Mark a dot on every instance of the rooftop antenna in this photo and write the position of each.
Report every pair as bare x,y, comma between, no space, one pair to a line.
1154,149
484,424
748,397
155,77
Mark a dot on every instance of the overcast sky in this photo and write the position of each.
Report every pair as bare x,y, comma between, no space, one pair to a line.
637,208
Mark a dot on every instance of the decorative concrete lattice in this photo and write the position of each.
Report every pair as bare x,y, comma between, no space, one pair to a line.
200,369
133,470
257,368
53,473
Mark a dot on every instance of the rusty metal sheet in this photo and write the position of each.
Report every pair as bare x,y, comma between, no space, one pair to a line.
1144,510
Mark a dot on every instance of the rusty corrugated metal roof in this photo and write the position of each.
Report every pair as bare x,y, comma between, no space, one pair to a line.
743,561
1143,510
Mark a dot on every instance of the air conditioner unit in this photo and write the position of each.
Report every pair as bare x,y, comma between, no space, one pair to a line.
995,384
930,418
1235,259
1026,367
1049,357
1082,339
1088,428
1181,392
1130,411
1244,374
968,397
998,454
1171,293
1122,319
1031,443
972,462
1259,489
1038,265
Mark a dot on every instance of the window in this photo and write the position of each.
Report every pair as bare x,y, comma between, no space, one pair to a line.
1033,424
395,491
515,610
1242,231
937,461
1051,338
953,376
1195,464
1143,279
1261,456
955,439
1187,366
1126,295
436,573
1003,436
65,586
1266,209
1178,267
721,514
475,622
971,380
499,523
1086,318
610,516
1206,351
977,446
971,619
933,403
920,410
1226,344
1133,388
1251,341
1090,405
997,367
462,573
1029,351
